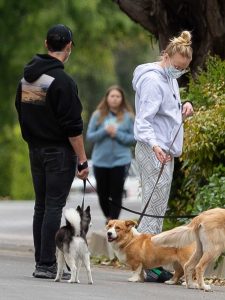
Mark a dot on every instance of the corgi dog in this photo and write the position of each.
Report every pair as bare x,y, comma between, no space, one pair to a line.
72,245
138,252
208,231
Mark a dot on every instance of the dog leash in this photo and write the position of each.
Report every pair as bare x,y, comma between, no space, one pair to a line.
84,191
145,215
160,172
142,214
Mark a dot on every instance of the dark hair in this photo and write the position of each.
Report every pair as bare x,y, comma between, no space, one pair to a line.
58,36
103,107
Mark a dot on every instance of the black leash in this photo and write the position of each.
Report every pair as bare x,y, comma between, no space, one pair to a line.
84,191
160,173
154,216
146,215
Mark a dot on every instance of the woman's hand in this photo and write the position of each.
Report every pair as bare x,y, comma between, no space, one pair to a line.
111,130
187,109
161,155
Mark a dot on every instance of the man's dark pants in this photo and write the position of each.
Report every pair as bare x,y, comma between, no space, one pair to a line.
53,171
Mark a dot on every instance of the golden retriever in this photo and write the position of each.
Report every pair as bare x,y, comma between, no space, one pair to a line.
208,231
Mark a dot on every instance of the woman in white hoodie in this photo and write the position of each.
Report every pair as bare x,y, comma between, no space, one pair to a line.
159,113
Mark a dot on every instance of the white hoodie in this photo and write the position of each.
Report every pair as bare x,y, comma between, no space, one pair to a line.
158,108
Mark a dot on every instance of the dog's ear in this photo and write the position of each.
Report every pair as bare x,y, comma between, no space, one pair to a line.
88,209
79,209
109,223
130,223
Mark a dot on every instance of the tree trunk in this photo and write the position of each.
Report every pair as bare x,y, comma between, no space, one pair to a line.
167,18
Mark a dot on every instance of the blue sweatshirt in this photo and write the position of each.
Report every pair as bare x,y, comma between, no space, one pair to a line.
158,108
111,152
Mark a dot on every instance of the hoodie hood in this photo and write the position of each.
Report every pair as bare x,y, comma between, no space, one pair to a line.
142,71
40,64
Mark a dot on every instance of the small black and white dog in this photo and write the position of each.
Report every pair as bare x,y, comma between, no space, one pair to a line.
72,244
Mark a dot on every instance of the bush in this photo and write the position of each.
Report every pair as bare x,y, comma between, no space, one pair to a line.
208,89
21,182
212,194
203,143
6,151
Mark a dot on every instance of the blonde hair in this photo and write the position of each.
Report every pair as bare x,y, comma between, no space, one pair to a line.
181,45
103,107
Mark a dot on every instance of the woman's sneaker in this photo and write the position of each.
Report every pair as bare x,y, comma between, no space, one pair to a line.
48,272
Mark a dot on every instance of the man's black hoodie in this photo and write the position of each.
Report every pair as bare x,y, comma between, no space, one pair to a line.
47,103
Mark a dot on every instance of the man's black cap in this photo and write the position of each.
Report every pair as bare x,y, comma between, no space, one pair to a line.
59,34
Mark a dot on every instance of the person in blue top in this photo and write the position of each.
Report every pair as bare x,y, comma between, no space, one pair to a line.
111,130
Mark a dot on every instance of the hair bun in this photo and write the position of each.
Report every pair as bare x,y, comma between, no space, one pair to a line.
184,39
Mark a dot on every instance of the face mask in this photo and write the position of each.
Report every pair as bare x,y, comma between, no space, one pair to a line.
67,57
174,73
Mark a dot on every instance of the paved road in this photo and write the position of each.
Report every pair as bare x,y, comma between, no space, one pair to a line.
16,218
17,263
16,283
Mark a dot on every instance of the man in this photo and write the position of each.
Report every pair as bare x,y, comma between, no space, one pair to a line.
49,112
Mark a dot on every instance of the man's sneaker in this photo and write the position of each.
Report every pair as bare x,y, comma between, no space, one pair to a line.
157,275
49,272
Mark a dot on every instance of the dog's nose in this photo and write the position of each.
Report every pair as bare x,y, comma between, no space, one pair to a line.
109,233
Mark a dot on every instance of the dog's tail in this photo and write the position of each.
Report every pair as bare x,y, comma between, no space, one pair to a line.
177,237
73,218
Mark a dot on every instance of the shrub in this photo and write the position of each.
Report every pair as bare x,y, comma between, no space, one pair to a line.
204,142
212,194
21,182
6,151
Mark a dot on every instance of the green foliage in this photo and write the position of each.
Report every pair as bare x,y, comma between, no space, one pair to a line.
212,194
208,89
6,150
205,140
200,178
101,34
21,183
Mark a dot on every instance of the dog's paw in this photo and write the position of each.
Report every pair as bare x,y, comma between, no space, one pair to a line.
71,281
192,285
90,282
135,279
77,281
206,287
171,282
57,279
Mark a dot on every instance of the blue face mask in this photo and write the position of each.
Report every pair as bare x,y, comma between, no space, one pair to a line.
174,73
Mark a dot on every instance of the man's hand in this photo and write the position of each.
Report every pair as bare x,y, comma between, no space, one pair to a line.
83,174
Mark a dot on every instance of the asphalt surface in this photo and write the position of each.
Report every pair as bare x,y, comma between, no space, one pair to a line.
17,283
16,218
17,264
